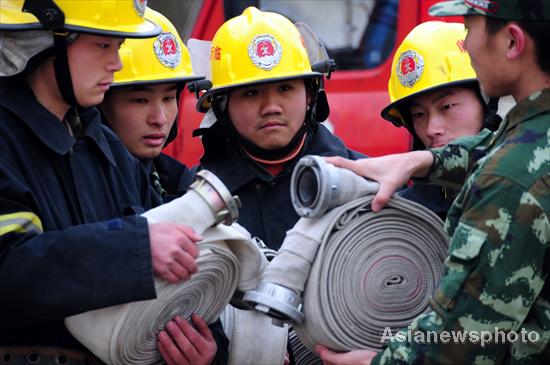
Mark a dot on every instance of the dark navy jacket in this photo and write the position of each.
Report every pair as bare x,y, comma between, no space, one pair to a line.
74,191
267,211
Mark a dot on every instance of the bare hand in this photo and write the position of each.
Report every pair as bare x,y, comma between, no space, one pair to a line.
173,251
184,344
356,357
391,171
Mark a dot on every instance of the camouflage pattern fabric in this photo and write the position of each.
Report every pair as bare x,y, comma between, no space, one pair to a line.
504,9
499,257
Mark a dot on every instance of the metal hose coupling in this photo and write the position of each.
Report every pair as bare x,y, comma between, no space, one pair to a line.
224,206
317,186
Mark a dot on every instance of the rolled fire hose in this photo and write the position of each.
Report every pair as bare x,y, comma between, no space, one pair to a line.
358,271
249,331
127,334
253,338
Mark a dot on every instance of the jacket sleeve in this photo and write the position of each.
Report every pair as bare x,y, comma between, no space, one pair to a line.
453,161
494,277
47,276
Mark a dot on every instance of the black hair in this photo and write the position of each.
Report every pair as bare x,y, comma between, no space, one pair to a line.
538,30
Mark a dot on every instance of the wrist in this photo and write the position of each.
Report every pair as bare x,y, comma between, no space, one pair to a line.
421,163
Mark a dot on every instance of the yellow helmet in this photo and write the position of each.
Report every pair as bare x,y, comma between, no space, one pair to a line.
162,59
431,56
255,47
120,18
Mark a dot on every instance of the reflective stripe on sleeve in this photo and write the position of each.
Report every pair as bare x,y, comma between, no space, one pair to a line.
20,222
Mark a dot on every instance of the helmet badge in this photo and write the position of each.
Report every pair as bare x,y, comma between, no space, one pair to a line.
168,50
140,6
409,68
265,52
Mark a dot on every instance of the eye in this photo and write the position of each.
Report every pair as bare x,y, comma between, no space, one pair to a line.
169,98
250,92
285,87
139,100
103,45
447,106
417,115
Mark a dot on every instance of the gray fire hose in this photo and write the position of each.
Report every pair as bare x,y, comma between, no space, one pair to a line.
228,259
358,271
253,338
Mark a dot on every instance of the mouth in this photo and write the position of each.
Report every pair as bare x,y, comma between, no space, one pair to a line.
155,139
105,85
272,124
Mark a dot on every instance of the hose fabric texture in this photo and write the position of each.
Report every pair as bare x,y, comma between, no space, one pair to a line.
228,260
361,271
253,338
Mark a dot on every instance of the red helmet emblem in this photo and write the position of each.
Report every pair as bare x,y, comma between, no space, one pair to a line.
409,68
265,51
169,46
167,49
265,48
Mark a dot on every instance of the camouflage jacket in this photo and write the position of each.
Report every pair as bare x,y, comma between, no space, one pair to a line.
493,304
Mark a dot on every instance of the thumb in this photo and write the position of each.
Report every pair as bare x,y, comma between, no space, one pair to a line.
381,198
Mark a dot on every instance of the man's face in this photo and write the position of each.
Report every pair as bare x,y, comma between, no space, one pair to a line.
443,115
269,115
142,117
487,54
93,60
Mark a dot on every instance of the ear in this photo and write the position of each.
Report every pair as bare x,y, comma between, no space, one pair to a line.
516,41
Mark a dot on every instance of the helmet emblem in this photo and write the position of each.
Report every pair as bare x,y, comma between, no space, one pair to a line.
140,6
167,49
409,68
265,52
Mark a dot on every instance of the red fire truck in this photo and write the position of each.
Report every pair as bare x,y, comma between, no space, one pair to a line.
361,35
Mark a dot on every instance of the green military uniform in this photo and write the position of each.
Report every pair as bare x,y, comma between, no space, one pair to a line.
499,256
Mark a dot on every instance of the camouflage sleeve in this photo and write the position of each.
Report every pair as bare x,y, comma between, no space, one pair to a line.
453,161
488,306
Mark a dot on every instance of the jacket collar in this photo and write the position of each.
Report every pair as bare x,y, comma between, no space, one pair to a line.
537,103
236,169
20,100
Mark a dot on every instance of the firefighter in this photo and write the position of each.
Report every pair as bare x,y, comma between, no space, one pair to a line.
141,107
267,104
264,112
435,95
496,281
70,237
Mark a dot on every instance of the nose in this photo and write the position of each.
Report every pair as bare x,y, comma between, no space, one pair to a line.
435,126
270,103
115,63
158,116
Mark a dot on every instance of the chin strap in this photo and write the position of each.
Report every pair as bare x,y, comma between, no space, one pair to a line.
62,70
52,18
